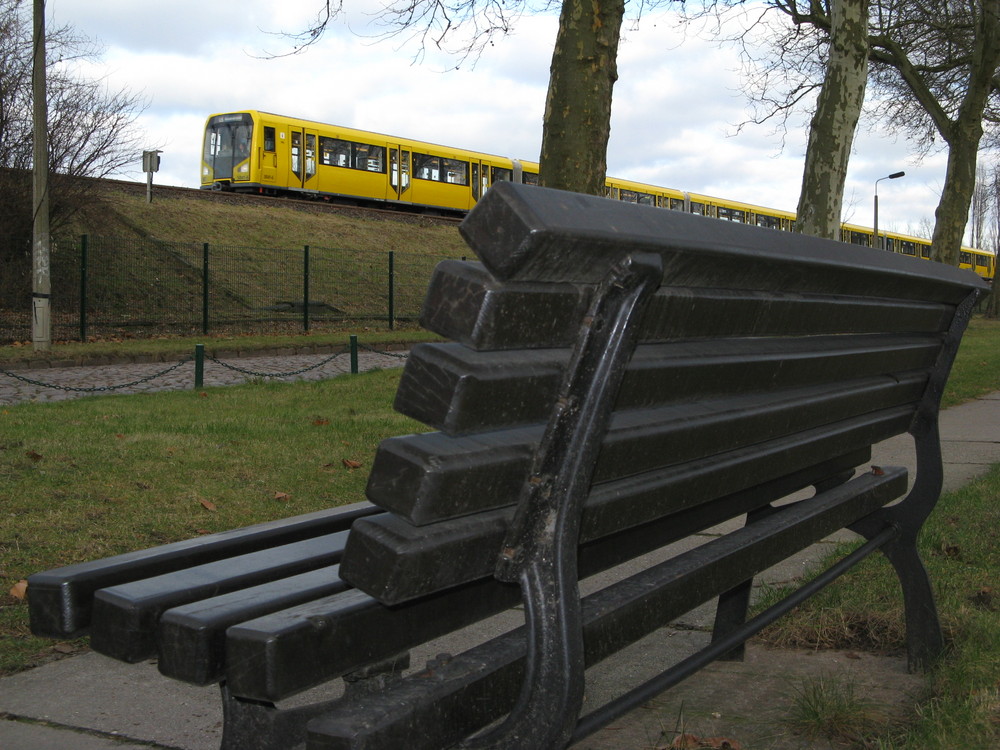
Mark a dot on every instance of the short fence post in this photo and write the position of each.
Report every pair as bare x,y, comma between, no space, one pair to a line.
199,365
305,288
83,288
392,290
354,354
204,289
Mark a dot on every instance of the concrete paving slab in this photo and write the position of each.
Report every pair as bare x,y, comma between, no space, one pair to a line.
130,701
19,735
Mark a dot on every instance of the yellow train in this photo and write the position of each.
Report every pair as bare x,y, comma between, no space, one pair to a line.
254,151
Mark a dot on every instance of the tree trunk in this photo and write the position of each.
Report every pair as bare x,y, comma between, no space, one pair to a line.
831,132
952,213
578,106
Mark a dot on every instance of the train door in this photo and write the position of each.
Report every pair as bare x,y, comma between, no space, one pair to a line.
399,174
480,180
302,158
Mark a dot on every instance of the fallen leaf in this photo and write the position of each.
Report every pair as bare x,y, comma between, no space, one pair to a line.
202,531
351,464
19,590
34,456
207,504
283,496
320,421
64,648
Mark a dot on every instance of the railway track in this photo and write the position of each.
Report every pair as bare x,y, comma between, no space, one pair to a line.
345,207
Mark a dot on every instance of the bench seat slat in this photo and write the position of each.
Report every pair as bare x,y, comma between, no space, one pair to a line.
261,661
490,316
613,617
395,561
125,616
191,638
429,477
60,601
456,390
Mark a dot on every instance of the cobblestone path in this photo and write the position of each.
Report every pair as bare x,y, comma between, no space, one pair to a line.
74,382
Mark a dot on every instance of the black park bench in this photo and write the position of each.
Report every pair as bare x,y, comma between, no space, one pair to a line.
617,378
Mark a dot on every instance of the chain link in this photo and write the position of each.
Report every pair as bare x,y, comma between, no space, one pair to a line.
254,373
96,388
381,351
168,370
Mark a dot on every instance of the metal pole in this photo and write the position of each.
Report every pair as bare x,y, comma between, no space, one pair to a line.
41,278
354,355
83,287
392,290
204,289
878,240
305,288
199,365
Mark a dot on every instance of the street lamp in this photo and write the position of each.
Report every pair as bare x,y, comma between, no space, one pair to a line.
894,176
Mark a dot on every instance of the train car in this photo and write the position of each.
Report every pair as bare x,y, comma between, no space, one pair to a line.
254,151
265,153
983,262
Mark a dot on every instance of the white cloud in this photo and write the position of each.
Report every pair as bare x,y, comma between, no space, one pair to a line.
675,114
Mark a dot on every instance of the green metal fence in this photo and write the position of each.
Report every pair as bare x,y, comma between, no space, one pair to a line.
107,286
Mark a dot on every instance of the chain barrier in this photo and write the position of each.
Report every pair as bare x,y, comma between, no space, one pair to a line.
181,363
96,388
397,355
254,373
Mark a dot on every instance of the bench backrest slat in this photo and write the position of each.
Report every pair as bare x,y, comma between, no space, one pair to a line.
465,304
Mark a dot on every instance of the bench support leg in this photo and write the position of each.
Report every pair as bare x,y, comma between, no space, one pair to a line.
731,611
259,725
540,550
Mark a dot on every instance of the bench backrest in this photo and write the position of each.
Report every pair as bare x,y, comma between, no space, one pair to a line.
767,361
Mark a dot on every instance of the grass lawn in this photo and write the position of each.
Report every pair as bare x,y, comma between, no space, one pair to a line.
96,476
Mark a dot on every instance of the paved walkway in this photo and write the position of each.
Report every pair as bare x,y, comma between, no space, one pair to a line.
90,702
55,384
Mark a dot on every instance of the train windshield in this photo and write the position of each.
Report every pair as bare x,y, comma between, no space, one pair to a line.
227,143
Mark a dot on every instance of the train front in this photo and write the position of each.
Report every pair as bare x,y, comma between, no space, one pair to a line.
225,161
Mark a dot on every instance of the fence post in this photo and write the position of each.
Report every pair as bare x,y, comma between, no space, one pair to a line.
392,290
199,365
83,288
204,289
354,354
305,288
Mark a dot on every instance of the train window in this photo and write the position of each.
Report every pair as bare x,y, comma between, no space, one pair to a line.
269,140
768,222
698,208
965,257
860,238
499,174
925,252
335,152
908,248
426,167
982,261
890,245
732,214
439,169
529,178
633,196
455,172
676,204
310,155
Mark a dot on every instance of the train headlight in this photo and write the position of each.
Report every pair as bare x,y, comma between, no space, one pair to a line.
243,170
206,173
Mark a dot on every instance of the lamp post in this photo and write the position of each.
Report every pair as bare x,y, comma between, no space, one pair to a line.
894,176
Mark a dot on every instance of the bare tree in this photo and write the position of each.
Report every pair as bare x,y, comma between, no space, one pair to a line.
91,133
577,121
935,74
838,109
